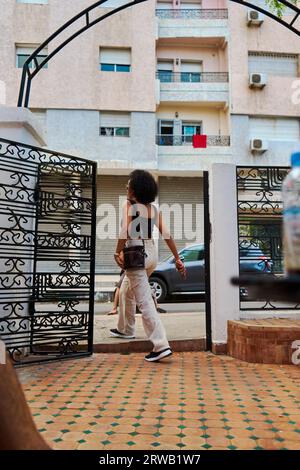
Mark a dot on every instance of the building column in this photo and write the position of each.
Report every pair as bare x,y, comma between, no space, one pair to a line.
224,257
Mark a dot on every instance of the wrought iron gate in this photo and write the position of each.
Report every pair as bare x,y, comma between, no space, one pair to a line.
47,253
259,207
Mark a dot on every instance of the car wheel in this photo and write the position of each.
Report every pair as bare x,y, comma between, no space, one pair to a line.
159,287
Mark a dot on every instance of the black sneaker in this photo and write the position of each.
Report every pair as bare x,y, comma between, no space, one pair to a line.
116,334
161,310
157,356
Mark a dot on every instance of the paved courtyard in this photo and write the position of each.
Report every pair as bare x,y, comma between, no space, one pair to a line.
194,400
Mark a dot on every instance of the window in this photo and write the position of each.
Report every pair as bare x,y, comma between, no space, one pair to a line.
165,5
273,63
191,71
165,70
165,132
22,54
189,129
114,124
115,60
283,129
191,4
38,2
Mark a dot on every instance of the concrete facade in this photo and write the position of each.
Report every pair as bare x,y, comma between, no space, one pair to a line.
72,92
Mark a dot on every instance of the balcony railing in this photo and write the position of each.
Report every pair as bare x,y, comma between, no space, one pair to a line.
192,77
212,140
192,14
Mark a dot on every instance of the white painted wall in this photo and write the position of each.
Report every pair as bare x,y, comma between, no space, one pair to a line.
224,262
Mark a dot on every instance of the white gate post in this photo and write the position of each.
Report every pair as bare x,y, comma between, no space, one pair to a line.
224,258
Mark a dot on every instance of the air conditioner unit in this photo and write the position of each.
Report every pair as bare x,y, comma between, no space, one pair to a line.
258,145
254,18
257,80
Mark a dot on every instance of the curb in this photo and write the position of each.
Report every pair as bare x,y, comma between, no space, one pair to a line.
180,345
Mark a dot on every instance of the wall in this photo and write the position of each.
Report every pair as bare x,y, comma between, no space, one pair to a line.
278,153
213,58
275,98
73,80
213,119
77,132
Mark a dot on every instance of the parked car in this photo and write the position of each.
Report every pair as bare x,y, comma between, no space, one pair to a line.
166,281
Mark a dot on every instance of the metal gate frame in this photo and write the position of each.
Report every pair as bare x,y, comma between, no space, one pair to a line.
259,205
47,213
207,240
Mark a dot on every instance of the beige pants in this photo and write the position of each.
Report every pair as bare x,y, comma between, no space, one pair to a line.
135,291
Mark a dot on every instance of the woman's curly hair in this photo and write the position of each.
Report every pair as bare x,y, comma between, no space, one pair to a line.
143,186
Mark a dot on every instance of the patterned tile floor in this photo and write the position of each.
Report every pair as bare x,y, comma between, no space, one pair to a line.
191,401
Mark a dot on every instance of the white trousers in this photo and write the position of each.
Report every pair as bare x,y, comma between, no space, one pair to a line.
135,291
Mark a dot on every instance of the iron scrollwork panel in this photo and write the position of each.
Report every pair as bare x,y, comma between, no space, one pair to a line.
47,246
259,205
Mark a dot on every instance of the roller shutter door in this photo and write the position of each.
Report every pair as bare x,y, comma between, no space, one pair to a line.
108,192
181,191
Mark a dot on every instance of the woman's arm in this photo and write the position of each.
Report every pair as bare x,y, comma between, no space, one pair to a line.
123,237
171,244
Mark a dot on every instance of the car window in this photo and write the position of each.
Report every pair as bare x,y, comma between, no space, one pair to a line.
250,252
190,255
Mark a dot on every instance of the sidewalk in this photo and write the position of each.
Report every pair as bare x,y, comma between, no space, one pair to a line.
193,400
179,326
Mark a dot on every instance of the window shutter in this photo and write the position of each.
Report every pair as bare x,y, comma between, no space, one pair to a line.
273,64
165,65
115,56
194,67
110,119
275,129
29,50
113,3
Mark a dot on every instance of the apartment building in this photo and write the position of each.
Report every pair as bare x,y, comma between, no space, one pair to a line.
133,91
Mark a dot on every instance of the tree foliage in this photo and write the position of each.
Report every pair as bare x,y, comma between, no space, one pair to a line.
277,7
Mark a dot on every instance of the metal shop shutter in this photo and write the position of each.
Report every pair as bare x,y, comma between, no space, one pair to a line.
283,129
108,192
174,190
273,64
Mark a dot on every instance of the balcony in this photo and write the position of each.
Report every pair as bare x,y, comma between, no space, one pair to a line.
197,23
186,87
192,14
178,140
192,77
179,152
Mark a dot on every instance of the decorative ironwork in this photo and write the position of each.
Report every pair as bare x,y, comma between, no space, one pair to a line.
166,76
259,205
193,13
83,22
211,140
47,253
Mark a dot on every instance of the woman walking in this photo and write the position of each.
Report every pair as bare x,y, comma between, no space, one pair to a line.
139,218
